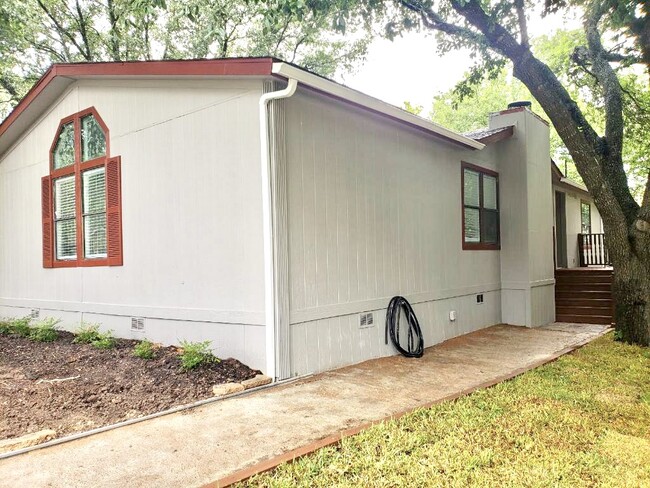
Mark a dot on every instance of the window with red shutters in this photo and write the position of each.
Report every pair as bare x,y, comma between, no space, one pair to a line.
81,197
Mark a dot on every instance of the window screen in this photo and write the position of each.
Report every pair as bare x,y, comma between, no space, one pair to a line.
64,218
480,209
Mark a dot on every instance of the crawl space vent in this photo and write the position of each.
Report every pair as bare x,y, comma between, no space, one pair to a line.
137,324
366,320
35,313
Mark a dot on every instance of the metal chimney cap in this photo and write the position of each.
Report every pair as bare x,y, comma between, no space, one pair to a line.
523,103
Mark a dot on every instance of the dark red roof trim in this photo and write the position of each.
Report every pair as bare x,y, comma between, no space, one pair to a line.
191,67
521,109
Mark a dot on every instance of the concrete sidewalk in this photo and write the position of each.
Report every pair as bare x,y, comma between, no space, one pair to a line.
208,443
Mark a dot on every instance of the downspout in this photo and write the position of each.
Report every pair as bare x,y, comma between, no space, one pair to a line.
270,292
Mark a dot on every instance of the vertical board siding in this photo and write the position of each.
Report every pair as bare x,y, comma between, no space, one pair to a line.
374,211
192,216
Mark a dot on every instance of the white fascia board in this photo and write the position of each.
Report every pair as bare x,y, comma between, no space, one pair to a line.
574,184
371,103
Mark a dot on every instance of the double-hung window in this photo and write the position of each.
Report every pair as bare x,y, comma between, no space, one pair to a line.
480,197
81,211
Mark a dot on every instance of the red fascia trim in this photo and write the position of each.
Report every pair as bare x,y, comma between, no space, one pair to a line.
499,136
192,67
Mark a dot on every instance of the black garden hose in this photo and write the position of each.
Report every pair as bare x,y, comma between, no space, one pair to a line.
415,346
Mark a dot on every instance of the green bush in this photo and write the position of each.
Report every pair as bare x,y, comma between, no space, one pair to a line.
195,354
144,350
104,341
5,326
44,331
87,333
21,327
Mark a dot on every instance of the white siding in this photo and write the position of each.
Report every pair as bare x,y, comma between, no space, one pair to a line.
192,222
374,212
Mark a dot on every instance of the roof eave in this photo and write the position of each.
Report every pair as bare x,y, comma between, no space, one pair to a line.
372,104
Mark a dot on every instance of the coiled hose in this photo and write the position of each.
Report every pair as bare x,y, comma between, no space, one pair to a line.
415,340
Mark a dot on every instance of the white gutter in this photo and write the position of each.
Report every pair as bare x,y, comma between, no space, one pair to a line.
270,293
371,103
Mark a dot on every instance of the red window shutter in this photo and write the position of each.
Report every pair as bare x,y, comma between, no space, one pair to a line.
114,211
46,211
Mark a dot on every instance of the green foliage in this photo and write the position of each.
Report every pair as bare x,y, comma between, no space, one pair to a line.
104,341
87,333
5,326
580,421
21,326
90,334
195,354
317,36
144,350
44,331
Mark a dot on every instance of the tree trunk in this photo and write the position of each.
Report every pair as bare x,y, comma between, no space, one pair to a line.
631,290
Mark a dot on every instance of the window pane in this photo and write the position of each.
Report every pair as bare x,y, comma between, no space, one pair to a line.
94,190
490,222
489,192
93,141
471,190
95,236
64,197
66,239
472,225
64,150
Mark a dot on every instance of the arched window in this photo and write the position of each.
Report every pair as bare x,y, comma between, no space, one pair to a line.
82,211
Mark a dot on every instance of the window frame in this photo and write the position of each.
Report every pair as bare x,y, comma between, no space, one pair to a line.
583,202
77,169
479,246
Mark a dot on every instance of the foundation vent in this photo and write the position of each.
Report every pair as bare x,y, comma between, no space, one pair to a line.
137,324
366,320
35,313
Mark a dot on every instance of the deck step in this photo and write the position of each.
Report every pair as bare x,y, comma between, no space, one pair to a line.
584,319
573,310
561,301
583,286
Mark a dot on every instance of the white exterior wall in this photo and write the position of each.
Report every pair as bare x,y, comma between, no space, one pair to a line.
374,211
192,219
574,222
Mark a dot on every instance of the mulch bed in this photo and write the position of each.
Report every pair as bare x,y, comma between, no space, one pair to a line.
112,385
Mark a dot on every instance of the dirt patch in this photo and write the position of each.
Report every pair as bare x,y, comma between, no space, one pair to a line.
108,386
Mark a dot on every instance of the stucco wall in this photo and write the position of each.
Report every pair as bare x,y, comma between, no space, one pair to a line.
192,223
374,210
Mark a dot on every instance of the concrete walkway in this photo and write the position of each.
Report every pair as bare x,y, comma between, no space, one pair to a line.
208,443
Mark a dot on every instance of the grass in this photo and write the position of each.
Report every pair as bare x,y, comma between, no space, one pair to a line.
583,420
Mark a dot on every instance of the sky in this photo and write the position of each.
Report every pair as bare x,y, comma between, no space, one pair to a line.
410,69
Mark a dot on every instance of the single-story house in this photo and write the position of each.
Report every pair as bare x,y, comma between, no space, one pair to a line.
272,211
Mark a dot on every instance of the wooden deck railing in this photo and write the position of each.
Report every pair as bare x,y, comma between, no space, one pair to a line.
593,250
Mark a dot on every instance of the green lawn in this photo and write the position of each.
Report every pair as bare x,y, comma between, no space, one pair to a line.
583,420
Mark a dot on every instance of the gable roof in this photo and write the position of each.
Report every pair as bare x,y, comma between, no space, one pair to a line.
60,76
562,181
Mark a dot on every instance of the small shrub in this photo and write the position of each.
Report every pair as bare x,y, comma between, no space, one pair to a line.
104,341
618,335
44,331
87,333
144,350
5,326
195,354
21,327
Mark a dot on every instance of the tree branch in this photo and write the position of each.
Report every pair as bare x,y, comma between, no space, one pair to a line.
523,28
63,32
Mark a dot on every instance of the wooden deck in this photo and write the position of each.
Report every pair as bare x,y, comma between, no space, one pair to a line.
584,295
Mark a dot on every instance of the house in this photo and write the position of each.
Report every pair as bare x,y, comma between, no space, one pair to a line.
267,209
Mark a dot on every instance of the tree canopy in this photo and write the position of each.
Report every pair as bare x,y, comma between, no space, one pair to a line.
33,35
